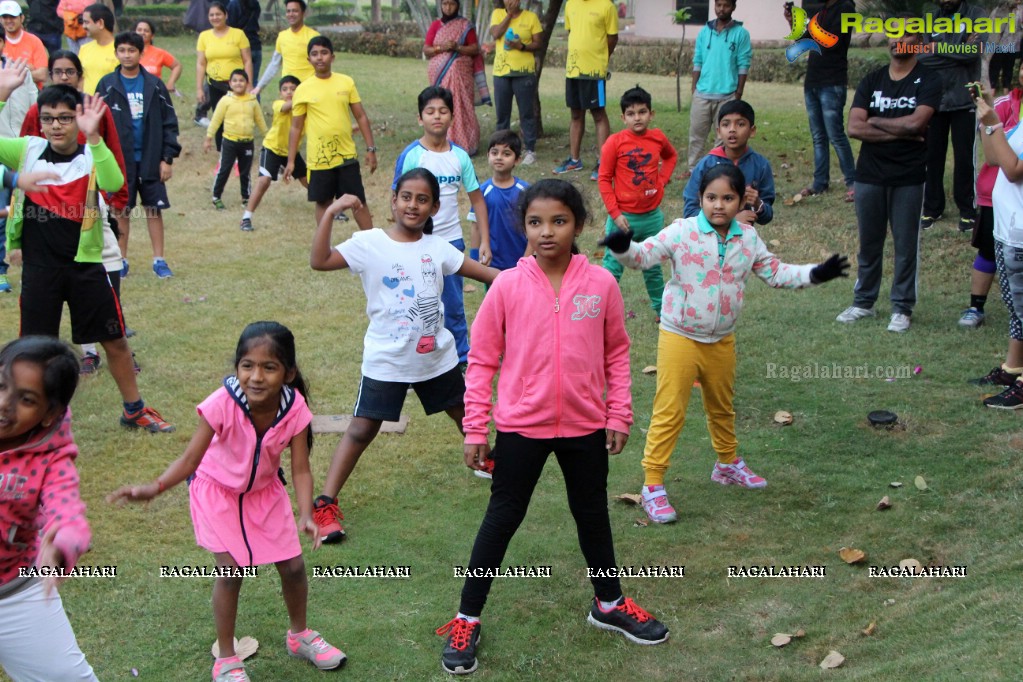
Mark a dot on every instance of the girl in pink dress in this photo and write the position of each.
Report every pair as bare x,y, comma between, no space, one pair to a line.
240,508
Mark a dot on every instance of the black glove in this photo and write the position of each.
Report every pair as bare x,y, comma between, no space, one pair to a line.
833,267
617,241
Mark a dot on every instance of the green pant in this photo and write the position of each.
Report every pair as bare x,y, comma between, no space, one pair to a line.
643,225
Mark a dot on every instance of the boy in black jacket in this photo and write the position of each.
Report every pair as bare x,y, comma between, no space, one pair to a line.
148,129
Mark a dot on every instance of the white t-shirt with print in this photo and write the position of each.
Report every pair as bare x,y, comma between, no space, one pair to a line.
406,340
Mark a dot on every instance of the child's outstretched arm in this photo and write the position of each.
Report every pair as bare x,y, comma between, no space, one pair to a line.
180,469
323,256
482,225
302,477
478,271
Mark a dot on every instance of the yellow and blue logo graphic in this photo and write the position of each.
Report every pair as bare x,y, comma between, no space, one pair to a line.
818,36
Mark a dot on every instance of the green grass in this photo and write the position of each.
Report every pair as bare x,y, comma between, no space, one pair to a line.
411,502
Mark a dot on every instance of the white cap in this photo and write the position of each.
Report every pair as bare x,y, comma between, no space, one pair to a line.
10,8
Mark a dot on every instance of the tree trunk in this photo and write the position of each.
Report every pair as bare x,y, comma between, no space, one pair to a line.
548,21
374,11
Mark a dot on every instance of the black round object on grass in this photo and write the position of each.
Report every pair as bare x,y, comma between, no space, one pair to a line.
882,419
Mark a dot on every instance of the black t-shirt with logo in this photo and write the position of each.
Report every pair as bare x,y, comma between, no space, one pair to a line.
831,65
900,162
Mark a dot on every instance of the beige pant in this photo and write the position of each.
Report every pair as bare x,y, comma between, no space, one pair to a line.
703,117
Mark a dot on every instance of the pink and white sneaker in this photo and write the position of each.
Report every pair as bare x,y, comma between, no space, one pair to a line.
315,649
737,473
229,670
657,507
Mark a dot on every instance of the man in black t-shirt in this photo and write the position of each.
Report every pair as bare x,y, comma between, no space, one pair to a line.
890,112
824,92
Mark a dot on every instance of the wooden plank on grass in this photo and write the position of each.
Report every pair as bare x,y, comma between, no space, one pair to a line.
338,423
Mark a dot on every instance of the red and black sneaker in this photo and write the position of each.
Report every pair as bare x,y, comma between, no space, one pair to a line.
328,517
629,619
996,377
1009,399
459,655
146,419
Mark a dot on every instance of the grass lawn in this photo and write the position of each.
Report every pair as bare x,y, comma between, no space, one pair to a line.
412,503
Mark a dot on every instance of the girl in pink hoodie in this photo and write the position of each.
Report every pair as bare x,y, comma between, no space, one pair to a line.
548,401
43,530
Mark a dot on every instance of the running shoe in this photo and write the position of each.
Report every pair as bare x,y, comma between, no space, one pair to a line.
971,318
736,473
124,268
488,469
1009,399
246,224
459,654
529,158
90,364
229,670
926,221
161,269
5,285
314,648
657,507
853,314
568,166
996,377
218,204
328,517
146,419
631,620
899,323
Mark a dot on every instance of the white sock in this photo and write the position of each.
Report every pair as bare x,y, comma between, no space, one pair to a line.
247,215
609,605
158,260
89,349
471,619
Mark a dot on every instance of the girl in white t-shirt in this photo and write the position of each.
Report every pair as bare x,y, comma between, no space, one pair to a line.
402,270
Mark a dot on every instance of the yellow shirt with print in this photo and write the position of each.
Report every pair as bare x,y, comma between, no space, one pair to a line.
325,103
294,50
515,62
223,54
589,23
240,114
97,61
276,139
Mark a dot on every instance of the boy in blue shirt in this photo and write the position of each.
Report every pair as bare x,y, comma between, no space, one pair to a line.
501,195
736,125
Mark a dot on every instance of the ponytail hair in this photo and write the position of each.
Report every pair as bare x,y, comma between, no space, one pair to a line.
282,346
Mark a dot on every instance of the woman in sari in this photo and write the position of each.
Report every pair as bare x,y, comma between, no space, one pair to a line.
452,47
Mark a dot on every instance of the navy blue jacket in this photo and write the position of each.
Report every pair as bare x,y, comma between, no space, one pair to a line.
159,122
754,166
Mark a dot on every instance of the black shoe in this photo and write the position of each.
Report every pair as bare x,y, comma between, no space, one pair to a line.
996,377
1009,399
90,364
629,619
927,221
966,224
459,655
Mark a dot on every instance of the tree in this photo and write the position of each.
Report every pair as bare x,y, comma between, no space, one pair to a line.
548,21
374,10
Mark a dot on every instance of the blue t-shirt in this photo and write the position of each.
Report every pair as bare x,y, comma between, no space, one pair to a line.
133,86
507,238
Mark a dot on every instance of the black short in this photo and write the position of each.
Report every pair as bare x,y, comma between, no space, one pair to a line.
1001,70
583,93
271,164
383,400
983,237
85,287
327,185
152,192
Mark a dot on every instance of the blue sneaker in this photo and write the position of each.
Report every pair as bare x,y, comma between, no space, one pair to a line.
161,270
124,268
595,175
5,285
568,166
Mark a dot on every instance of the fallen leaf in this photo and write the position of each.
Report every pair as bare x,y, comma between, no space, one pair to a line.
920,483
889,602
789,202
885,503
650,369
631,498
895,484
782,417
800,633
469,288
781,639
832,660
641,523
852,556
775,243
797,198
911,564
869,630
243,648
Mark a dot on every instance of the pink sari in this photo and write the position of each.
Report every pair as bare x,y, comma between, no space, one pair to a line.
459,79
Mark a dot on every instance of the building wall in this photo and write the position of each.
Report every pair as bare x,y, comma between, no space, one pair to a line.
762,18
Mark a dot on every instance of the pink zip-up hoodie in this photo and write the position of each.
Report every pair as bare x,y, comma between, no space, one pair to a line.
39,489
557,354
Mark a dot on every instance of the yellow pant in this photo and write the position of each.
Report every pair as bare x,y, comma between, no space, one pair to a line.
680,362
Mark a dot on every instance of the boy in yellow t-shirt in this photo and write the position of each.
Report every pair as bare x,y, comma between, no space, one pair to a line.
321,108
238,112
274,156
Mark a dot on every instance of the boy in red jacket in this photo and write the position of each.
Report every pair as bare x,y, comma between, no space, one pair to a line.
635,165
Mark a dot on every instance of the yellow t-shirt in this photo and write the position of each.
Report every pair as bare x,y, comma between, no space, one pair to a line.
239,114
325,104
589,23
97,61
276,139
223,54
515,62
294,49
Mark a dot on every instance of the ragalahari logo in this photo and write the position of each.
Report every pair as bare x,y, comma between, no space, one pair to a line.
818,36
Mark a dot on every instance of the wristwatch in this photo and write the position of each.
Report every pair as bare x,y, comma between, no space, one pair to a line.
990,130
373,149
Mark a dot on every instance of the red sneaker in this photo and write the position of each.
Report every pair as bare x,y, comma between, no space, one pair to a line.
327,516
146,419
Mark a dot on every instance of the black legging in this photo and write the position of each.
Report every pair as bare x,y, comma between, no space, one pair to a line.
518,463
